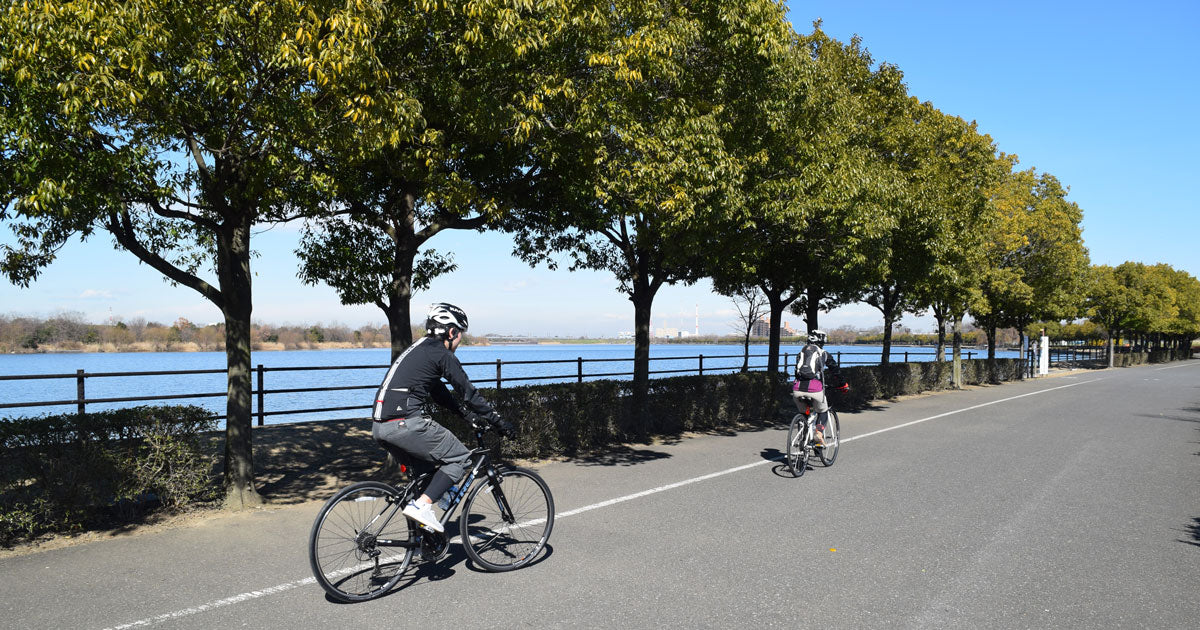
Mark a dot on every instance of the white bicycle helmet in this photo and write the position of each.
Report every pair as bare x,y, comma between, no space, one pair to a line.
442,317
817,337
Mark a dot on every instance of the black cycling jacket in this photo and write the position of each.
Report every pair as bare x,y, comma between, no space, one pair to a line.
415,378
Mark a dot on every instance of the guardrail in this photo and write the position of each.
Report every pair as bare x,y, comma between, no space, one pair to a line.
260,392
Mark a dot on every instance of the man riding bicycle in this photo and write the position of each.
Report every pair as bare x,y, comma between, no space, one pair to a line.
405,429
812,364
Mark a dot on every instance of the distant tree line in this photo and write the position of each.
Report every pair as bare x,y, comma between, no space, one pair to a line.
72,332
663,142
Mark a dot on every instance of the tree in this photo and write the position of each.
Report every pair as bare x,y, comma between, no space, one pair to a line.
749,302
177,128
638,174
1037,261
1107,303
478,79
797,130
961,167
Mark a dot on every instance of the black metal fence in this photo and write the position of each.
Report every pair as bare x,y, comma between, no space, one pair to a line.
716,364
1070,355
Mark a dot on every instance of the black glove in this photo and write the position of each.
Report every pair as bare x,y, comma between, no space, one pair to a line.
477,421
503,427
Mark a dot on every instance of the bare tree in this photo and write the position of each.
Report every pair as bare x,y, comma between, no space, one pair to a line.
750,303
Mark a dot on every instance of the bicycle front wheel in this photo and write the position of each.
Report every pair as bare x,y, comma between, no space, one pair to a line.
505,525
361,544
831,435
797,454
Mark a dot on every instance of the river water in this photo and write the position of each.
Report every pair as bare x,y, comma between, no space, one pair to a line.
362,369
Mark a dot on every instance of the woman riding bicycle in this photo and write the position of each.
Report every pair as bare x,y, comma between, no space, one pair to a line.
402,425
812,364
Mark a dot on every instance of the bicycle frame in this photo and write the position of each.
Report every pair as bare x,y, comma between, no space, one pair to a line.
483,461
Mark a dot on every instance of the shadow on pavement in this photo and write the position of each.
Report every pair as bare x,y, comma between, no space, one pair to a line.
620,456
1193,529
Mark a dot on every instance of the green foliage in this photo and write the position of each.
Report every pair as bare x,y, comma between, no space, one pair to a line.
1037,264
477,80
1134,299
63,472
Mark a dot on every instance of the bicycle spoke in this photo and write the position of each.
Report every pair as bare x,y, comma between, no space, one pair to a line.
498,541
343,551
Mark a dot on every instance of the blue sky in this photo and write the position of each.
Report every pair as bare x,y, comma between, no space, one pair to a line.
1102,95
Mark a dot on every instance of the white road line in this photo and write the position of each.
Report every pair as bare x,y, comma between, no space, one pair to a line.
965,409
1172,367
587,508
236,599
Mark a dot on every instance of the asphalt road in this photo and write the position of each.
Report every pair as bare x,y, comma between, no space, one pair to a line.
1067,502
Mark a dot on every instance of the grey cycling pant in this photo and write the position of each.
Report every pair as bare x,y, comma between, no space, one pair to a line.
820,405
423,439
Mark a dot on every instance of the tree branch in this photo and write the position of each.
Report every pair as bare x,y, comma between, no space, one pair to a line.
120,226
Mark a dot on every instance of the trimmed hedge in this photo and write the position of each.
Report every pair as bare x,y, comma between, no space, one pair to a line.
64,472
1126,359
573,418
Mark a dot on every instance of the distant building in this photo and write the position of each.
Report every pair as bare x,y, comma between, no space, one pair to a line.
760,328
666,333
788,331
625,335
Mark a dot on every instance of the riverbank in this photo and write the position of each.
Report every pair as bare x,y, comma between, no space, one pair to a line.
270,346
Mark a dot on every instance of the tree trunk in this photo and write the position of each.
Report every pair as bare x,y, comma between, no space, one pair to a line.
777,304
956,331
746,352
233,271
990,329
399,303
643,299
1109,344
399,326
941,335
812,306
1023,350
889,316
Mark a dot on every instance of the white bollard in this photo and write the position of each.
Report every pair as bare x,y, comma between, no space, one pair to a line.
1044,355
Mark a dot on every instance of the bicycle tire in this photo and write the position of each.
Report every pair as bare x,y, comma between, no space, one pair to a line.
832,437
496,542
341,549
797,454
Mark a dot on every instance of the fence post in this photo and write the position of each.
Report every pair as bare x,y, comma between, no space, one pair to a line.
787,363
702,365
580,360
260,395
906,356
839,357
498,379
79,391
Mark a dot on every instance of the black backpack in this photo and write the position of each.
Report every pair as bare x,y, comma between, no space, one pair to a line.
810,363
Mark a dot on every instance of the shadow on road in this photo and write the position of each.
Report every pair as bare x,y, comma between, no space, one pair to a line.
621,456
1193,415
1193,530
312,460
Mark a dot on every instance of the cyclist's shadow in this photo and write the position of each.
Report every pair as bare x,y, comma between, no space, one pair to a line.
438,569
780,468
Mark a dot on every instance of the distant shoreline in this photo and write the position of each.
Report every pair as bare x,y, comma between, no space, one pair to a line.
105,348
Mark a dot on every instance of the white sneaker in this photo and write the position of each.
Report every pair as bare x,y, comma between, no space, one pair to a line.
423,514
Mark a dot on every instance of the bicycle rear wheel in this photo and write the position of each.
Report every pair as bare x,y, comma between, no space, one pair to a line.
831,435
344,550
504,526
797,454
